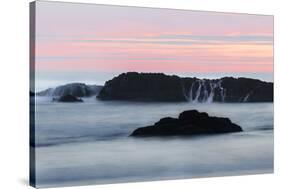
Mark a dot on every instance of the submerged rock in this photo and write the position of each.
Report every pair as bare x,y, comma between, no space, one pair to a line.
68,98
189,122
133,86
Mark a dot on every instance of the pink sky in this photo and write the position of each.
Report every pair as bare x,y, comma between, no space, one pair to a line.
81,37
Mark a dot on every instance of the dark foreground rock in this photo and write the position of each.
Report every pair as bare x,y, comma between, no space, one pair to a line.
133,86
68,98
75,89
189,122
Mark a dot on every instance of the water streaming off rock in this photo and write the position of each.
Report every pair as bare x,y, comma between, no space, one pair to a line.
205,91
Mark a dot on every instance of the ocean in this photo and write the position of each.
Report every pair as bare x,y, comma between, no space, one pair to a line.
87,143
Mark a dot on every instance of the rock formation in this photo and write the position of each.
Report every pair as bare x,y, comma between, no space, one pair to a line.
135,86
189,122
75,89
68,98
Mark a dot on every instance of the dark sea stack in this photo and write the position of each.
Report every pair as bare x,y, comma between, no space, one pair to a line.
68,98
153,87
188,123
75,89
143,87
247,90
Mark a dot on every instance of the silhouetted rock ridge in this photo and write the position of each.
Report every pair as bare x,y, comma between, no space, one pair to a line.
133,86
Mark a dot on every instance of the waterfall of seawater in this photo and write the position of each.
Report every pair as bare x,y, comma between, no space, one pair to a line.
247,97
198,91
206,90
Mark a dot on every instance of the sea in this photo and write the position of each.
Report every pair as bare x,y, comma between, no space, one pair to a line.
89,143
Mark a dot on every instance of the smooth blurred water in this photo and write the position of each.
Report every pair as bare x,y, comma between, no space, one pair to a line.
88,143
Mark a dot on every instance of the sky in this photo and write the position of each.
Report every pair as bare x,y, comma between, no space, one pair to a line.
93,43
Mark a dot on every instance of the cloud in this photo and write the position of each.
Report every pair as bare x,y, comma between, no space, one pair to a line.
181,39
221,38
